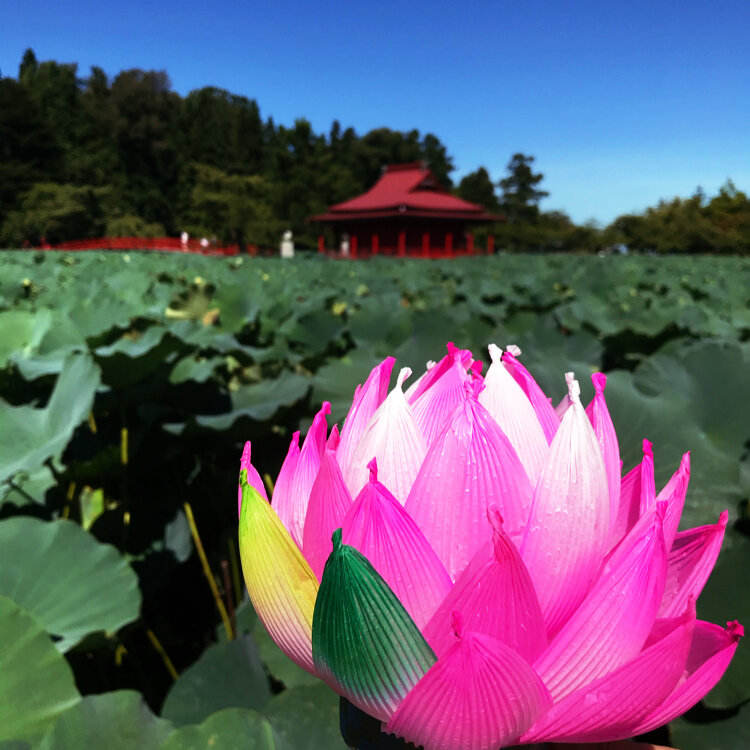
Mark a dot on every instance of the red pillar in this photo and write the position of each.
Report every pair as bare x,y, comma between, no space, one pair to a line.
470,243
426,245
375,244
321,244
449,244
490,244
353,246
401,244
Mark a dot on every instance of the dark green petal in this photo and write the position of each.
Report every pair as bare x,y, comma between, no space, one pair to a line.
364,642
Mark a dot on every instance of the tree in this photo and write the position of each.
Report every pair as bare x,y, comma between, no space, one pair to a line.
521,196
142,114
28,151
234,208
29,64
477,187
220,129
54,212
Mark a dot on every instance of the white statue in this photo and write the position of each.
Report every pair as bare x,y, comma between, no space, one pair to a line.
286,249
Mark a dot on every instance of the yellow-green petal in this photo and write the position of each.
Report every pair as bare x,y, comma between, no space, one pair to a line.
281,584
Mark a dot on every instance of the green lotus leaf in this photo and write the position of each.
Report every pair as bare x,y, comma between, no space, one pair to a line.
381,324
335,381
30,436
27,489
230,728
228,675
277,662
198,370
260,401
730,732
36,682
721,601
119,720
430,331
22,332
307,717
100,309
315,331
178,538
71,583
133,357
239,304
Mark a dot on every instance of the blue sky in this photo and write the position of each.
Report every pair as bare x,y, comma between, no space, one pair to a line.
621,103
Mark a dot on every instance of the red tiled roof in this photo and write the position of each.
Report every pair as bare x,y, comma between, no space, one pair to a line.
407,189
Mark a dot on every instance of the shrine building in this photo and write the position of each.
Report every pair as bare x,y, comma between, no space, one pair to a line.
406,213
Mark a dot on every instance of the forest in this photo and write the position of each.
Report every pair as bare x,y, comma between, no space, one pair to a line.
127,156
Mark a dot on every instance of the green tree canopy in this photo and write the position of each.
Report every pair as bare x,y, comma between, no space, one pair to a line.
520,191
477,187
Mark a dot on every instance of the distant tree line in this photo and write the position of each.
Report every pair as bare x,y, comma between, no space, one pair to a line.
90,157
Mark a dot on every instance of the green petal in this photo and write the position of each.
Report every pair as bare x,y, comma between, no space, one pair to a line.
364,642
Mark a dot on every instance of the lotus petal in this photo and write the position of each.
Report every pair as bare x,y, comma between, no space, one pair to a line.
281,585
673,494
436,370
604,430
612,706
393,437
367,400
253,478
365,645
379,527
493,697
436,402
292,491
496,597
614,620
690,562
511,409
711,650
570,503
329,502
470,466
546,415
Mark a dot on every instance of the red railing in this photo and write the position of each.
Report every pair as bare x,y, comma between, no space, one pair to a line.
402,250
169,244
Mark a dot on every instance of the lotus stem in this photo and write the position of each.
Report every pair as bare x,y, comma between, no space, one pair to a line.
164,656
228,594
269,483
235,570
207,572
124,446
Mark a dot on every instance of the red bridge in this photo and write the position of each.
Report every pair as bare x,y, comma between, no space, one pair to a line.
171,244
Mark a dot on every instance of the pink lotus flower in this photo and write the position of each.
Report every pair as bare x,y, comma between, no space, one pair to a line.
465,563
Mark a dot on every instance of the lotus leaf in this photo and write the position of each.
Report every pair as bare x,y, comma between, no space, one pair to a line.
228,675
39,560
36,683
230,728
30,435
117,721
307,717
